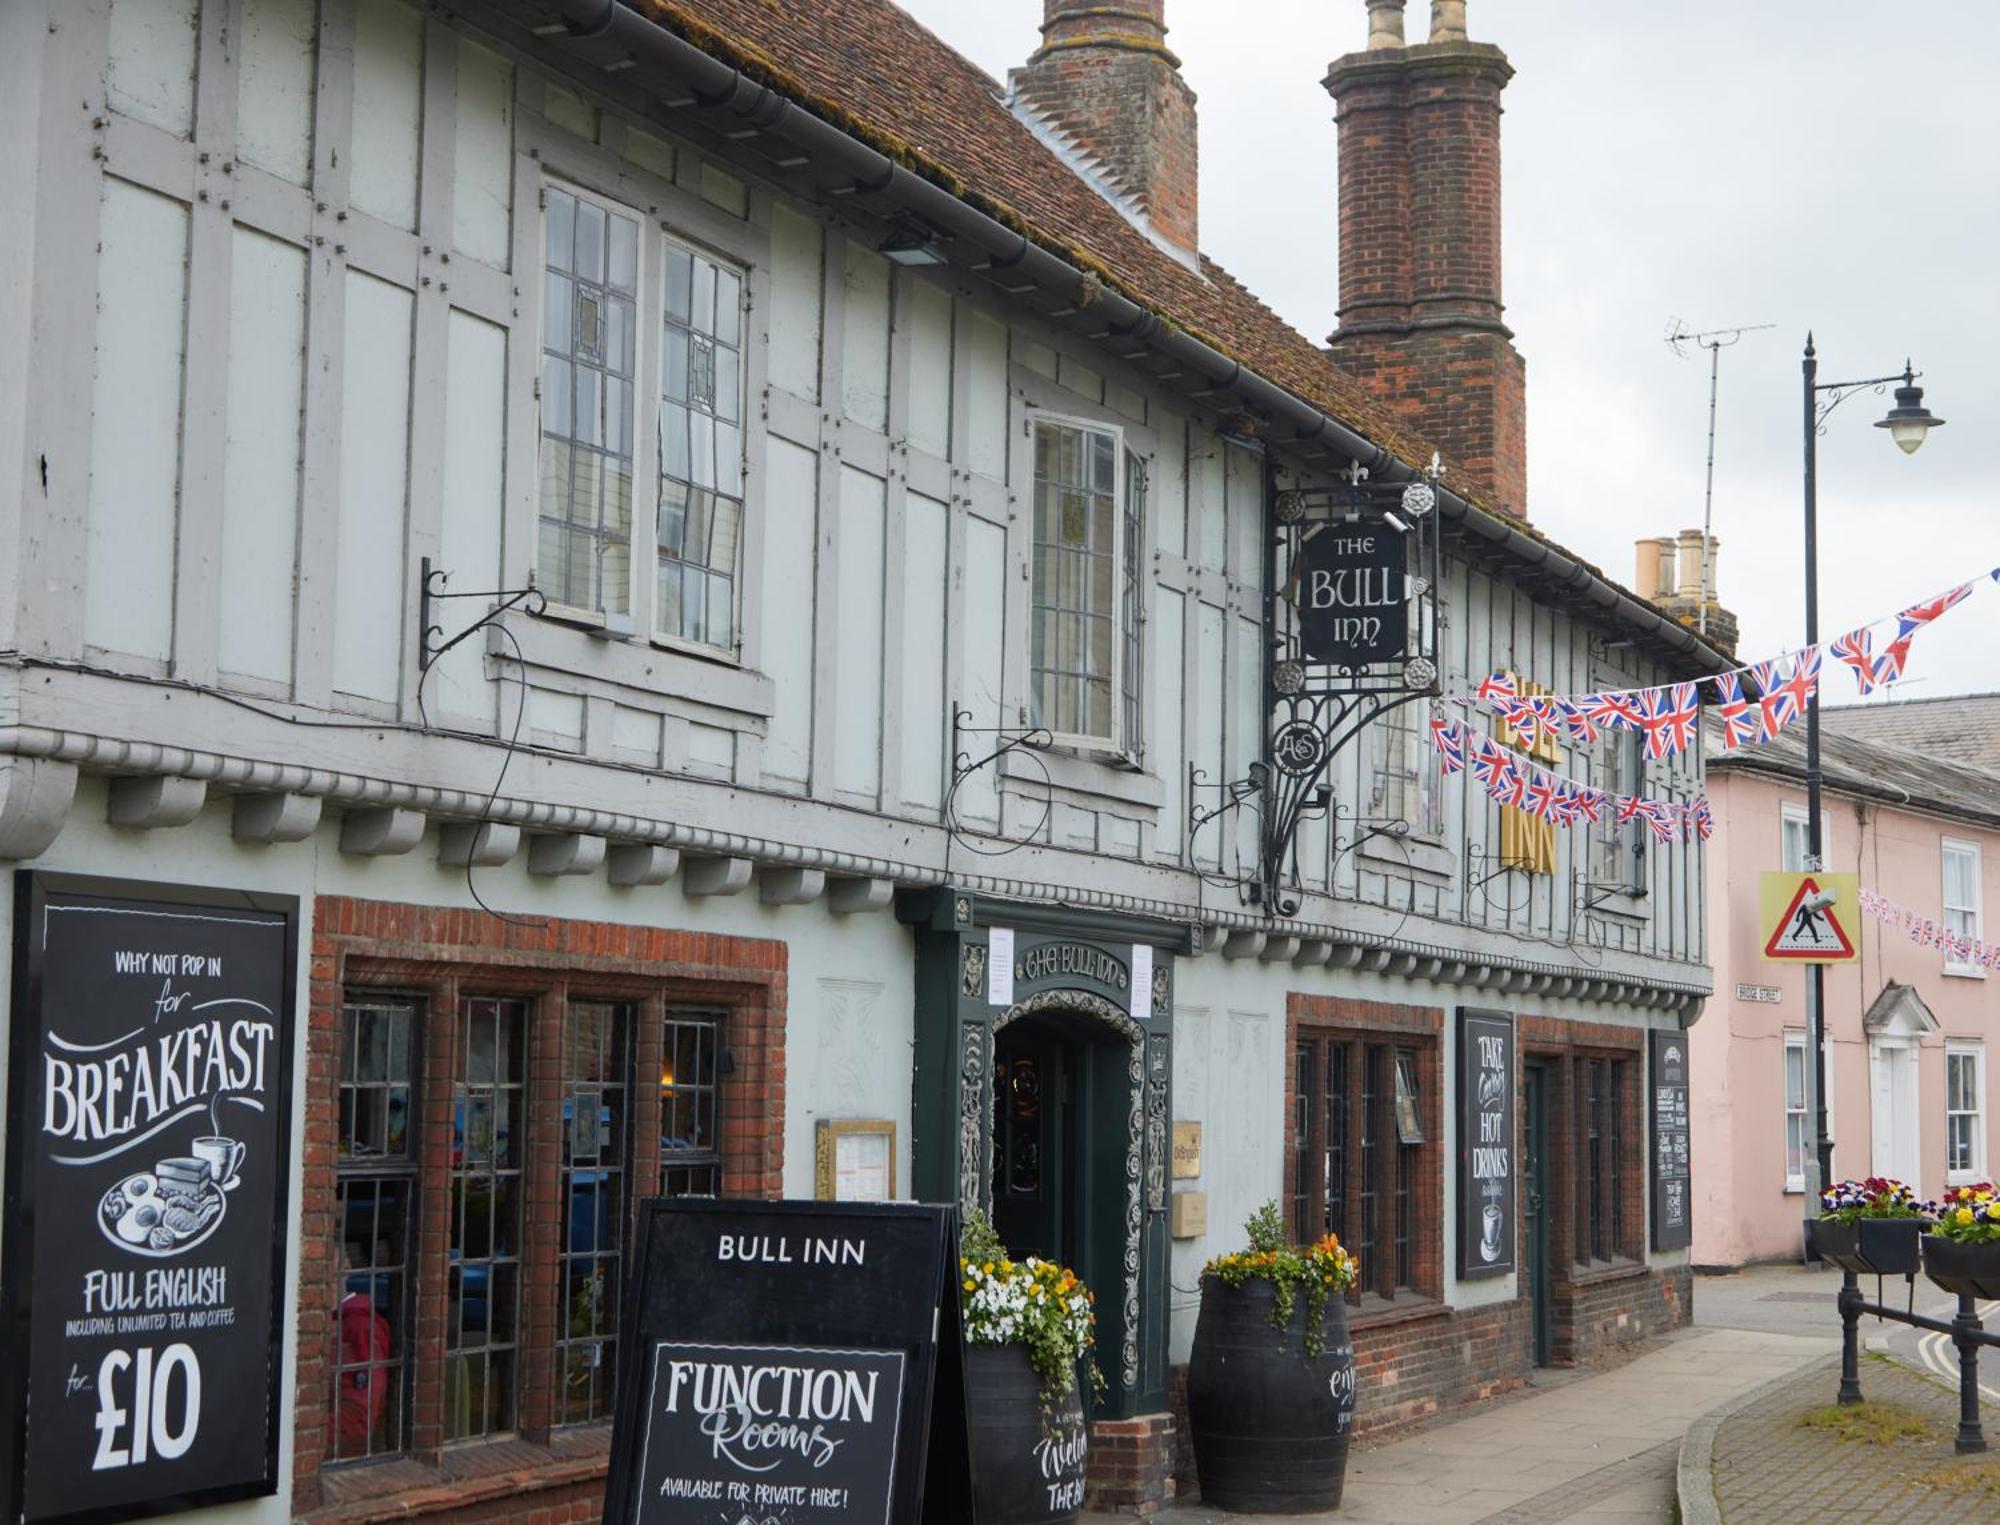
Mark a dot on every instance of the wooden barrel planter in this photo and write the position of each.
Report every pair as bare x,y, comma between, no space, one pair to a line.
1871,1246
1270,1424
1969,1270
1028,1454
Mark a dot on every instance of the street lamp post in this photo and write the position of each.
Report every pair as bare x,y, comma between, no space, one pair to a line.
1907,422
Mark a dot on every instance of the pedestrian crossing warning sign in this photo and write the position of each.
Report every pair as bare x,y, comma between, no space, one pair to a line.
1809,918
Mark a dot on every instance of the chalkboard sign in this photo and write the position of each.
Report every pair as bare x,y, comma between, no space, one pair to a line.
1673,1227
798,1364
1485,1143
1353,594
148,1172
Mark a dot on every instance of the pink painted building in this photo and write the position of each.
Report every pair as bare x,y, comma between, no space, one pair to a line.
1910,1032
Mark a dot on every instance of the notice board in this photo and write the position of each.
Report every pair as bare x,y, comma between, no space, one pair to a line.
147,1197
1486,1133
1667,1074
794,1363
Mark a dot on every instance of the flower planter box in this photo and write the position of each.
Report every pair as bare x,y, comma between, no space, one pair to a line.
1872,1247
1028,1452
1270,1424
1969,1270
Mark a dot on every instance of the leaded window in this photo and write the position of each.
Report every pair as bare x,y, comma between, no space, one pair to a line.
701,449
1087,608
589,322
690,1144
375,1201
1355,1136
489,1121
596,1141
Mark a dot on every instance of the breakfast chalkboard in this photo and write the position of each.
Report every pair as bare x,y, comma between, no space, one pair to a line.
148,1166
798,1365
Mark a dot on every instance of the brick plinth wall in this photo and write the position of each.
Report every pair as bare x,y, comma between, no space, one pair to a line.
1420,268
543,1473
1131,1466
1591,1317
1105,79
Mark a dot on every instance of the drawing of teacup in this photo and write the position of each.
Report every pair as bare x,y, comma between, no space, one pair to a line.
1489,1238
223,1157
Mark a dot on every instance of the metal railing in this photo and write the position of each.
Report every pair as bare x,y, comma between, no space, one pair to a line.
1966,1332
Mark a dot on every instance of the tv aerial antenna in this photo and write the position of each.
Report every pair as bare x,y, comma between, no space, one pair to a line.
1715,341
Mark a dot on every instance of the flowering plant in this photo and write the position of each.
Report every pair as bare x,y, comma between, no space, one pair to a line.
1969,1214
1031,1302
1872,1197
1321,1269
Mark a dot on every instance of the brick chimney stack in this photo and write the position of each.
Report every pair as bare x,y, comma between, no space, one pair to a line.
1420,307
1105,79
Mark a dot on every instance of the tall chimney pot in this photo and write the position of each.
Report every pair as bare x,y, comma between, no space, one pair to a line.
1448,21
1385,24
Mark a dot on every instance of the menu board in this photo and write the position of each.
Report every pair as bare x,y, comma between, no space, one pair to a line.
1486,1151
148,1170
1667,1072
793,1354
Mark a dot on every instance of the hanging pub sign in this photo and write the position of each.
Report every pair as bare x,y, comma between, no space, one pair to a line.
797,1363
1353,593
148,1173
1485,1143
1667,1071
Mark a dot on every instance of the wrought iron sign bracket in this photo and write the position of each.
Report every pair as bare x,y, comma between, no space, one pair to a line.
1352,621
1037,738
431,641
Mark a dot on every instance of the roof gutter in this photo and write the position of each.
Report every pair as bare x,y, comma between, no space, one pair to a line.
611,34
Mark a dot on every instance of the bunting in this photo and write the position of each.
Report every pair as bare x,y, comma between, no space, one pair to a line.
1928,932
1667,715
1513,781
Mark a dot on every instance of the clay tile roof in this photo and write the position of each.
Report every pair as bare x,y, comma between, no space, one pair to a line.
877,72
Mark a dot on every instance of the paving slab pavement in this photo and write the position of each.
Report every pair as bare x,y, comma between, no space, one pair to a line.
1600,1448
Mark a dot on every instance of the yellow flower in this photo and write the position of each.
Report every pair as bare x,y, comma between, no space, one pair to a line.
1962,1216
970,1284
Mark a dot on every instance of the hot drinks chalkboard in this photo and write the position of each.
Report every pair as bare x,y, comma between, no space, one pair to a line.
1673,1228
1485,1143
798,1364
148,1165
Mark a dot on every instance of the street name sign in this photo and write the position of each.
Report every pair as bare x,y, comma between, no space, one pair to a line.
1809,918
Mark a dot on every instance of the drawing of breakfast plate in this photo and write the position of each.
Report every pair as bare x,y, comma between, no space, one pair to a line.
162,1211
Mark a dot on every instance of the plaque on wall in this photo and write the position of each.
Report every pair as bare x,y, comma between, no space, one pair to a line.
147,1197
1486,1135
1671,1167
794,1361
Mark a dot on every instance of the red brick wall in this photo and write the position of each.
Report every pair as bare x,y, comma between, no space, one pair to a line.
1104,75
544,1474
1420,256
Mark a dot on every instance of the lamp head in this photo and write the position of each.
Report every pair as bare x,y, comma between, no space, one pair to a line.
1909,421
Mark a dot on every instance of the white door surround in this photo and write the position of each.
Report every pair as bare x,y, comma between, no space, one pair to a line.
1896,1023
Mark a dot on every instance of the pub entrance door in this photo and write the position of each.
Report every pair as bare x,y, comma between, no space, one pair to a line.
1036,1178
1534,1203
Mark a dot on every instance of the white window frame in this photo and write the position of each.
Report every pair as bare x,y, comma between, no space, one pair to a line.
641,618
644,363
1975,1170
1117,744
1975,911
1790,815
1799,1039
1406,775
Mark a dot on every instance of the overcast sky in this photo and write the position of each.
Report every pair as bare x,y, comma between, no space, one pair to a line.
1823,164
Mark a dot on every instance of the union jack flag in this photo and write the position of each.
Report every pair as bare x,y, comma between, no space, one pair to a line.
1671,718
1513,789
1449,742
1699,818
1630,807
1661,818
1541,796
1521,717
1565,807
1581,727
1491,763
1917,616
1615,709
1737,726
1498,689
1767,676
1786,701
1591,803
1856,649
